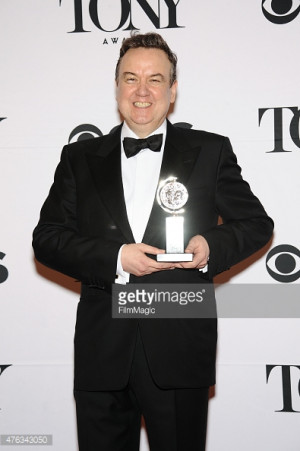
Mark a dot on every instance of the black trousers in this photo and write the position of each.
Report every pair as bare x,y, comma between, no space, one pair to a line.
110,421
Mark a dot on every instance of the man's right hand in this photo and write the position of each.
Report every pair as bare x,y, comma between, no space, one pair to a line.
135,261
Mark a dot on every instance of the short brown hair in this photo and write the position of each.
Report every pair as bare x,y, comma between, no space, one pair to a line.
148,41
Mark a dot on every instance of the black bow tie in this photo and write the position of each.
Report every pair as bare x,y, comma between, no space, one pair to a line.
133,146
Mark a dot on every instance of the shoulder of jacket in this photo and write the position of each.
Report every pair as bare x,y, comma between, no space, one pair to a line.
86,144
98,144
199,134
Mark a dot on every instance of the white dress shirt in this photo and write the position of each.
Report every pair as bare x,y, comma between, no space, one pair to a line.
140,176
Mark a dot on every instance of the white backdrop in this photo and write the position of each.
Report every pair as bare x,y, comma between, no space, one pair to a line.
235,61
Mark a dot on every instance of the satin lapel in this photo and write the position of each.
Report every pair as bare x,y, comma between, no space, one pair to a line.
105,167
178,161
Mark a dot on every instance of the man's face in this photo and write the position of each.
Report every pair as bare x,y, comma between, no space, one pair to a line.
144,93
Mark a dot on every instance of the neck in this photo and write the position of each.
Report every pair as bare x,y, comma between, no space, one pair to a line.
144,132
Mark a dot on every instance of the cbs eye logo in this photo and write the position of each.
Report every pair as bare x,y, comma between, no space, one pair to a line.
280,11
86,131
283,263
89,131
83,132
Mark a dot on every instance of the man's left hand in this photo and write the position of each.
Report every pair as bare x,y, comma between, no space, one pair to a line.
199,247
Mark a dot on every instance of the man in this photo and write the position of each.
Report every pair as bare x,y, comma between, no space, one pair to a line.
101,224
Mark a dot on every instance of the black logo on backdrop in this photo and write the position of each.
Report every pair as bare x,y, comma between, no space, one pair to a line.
288,391
83,132
3,367
124,14
280,11
2,118
283,263
278,126
3,270
88,131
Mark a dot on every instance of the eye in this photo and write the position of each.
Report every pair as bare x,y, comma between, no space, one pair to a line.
84,131
130,79
283,263
155,81
281,11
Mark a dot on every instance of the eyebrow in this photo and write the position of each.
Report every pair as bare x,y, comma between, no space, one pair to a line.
150,76
158,75
128,73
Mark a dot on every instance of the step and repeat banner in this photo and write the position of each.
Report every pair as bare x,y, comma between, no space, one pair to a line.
238,76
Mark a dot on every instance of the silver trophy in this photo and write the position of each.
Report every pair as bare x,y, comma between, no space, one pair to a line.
172,196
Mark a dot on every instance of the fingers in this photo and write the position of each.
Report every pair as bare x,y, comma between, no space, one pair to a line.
199,247
147,249
135,261
149,266
195,264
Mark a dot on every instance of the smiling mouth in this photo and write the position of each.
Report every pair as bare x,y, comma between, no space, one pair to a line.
142,104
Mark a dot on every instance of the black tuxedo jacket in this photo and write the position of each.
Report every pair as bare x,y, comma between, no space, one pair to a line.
83,223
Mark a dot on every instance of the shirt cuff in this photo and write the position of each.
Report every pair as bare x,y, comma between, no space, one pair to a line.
205,269
122,276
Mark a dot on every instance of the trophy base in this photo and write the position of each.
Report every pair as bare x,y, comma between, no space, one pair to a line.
174,257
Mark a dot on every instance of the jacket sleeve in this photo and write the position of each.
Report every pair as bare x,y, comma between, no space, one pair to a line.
245,227
57,241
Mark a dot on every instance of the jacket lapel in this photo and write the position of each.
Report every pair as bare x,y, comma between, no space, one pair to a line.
105,167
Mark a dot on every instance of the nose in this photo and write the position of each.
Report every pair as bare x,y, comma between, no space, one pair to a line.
142,89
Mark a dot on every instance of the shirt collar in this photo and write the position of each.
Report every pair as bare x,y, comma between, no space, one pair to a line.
126,132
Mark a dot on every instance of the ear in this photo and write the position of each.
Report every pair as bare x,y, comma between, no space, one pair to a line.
173,91
116,89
